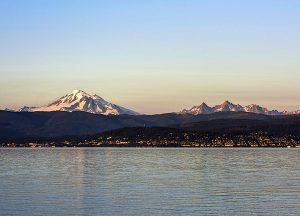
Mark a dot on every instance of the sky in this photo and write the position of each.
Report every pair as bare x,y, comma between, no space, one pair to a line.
151,56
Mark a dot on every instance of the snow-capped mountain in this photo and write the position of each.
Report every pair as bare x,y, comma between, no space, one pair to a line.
261,110
228,106
202,109
79,100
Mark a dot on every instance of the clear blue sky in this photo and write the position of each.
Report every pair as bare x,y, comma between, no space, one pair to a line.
151,56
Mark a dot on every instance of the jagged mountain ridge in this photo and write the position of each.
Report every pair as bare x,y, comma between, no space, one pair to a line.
228,106
79,100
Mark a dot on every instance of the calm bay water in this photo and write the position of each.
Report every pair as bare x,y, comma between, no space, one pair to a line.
140,181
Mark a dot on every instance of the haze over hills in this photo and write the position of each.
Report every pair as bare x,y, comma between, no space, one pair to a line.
79,100
230,107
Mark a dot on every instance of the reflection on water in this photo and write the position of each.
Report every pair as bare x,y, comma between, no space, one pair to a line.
139,181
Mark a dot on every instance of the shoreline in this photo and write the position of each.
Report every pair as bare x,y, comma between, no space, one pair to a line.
151,147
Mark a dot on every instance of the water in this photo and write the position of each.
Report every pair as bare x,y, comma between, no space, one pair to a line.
139,181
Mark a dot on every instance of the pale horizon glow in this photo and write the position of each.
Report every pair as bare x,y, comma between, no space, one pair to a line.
151,56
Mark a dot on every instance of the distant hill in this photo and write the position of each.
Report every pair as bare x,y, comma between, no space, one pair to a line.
165,130
58,123
289,125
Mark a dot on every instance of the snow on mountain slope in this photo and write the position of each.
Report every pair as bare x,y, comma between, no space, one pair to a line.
228,106
202,109
79,100
261,110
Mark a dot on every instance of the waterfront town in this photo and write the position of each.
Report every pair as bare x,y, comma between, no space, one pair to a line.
145,138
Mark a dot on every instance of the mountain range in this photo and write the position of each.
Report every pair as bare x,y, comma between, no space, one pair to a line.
79,100
230,107
78,114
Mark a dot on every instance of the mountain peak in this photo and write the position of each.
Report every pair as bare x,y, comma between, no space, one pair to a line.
227,106
227,103
204,104
76,91
202,109
79,100
79,92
